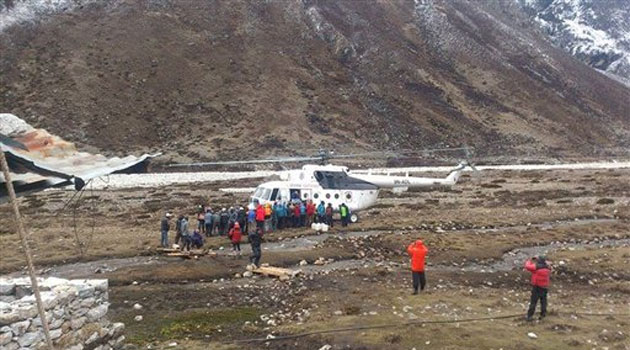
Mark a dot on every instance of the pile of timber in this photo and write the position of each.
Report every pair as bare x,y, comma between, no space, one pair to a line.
184,254
279,272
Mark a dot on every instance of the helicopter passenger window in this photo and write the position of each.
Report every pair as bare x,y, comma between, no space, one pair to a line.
327,195
274,194
348,195
305,195
316,195
336,195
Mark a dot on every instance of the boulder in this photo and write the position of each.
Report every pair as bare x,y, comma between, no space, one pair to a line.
5,338
77,323
30,338
7,287
97,313
19,328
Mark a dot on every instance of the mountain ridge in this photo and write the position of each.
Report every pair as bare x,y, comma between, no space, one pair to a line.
203,80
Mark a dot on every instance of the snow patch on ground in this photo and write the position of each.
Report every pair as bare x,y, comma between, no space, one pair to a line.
24,11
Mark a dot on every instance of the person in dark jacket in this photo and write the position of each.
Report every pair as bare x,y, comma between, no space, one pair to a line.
208,222
178,229
196,240
233,218
185,234
165,225
274,216
329,215
216,218
201,219
290,214
255,240
242,218
224,219
540,271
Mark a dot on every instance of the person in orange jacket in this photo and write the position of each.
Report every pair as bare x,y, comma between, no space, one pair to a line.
417,251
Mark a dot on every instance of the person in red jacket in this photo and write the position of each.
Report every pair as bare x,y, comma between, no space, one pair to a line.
310,213
540,282
260,218
417,251
235,236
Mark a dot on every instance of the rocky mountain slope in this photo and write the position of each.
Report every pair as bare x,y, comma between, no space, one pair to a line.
596,32
203,80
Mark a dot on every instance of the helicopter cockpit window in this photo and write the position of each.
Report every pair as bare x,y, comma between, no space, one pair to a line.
266,194
339,180
274,194
259,192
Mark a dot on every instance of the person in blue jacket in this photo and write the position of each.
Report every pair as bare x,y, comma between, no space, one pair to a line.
321,212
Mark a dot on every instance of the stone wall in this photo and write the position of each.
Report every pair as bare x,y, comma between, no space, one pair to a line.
76,311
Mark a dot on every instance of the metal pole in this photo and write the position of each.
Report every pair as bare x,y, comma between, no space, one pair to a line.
27,250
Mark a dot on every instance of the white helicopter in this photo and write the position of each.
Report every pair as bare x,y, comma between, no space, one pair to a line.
336,184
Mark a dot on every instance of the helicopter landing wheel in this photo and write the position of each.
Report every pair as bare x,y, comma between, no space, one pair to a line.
354,218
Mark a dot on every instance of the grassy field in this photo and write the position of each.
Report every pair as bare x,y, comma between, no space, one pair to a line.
478,234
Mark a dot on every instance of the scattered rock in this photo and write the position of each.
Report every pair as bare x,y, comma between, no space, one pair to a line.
532,335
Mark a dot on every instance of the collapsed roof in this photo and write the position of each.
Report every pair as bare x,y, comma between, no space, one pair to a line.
38,160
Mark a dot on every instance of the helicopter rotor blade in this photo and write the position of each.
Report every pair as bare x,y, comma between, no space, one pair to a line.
324,155
241,162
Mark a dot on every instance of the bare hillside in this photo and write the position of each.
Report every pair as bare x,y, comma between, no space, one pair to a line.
211,79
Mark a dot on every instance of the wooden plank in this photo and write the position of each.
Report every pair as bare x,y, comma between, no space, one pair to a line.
273,271
180,255
167,250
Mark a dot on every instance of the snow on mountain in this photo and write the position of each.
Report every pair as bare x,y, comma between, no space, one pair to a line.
596,32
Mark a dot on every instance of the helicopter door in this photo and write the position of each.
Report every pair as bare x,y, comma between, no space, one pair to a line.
283,194
295,194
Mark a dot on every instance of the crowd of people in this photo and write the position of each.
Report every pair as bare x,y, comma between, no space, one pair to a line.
254,222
